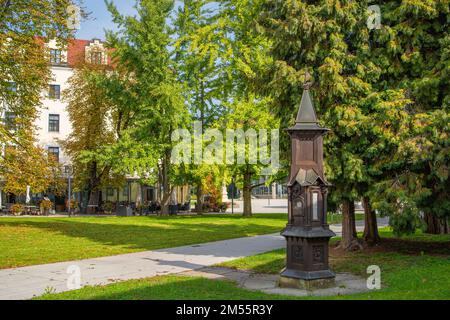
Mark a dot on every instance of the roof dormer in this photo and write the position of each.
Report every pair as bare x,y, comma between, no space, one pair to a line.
96,53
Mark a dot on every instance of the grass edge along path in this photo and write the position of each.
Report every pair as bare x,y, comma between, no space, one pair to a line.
33,241
419,269
412,267
28,241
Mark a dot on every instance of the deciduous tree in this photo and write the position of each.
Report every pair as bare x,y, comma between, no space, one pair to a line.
97,123
142,48
24,73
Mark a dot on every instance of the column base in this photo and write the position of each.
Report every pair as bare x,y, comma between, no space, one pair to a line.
307,280
309,285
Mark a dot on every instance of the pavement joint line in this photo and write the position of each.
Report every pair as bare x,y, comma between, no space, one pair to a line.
97,271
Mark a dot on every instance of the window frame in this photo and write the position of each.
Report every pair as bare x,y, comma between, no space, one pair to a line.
315,210
98,57
125,190
9,120
51,152
54,124
53,93
55,56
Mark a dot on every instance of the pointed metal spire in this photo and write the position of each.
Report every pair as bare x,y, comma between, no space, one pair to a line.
306,113
306,116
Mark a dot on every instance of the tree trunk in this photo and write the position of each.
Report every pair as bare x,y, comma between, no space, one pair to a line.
93,202
349,236
247,194
167,191
92,192
165,203
371,236
199,204
353,218
436,225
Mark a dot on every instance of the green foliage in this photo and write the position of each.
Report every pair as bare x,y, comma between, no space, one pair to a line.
24,74
383,92
412,49
249,115
92,136
198,51
148,87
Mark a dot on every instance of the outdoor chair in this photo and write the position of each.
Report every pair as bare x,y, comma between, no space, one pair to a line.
186,207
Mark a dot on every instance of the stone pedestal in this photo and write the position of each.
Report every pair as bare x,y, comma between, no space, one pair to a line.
314,284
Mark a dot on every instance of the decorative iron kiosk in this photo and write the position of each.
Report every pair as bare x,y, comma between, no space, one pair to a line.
307,232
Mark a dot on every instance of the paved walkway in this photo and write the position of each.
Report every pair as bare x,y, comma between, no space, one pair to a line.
262,206
27,282
345,283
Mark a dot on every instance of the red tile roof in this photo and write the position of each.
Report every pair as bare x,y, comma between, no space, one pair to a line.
76,51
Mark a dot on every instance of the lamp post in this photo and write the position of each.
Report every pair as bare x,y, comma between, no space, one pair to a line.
68,169
307,232
232,195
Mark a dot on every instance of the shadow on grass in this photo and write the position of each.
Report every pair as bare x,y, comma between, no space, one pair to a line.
166,288
413,247
141,236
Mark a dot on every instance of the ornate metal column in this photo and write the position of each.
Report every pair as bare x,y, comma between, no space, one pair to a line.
307,232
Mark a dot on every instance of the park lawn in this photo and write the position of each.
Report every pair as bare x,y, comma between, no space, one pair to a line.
412,267
31,241
171,287
336,218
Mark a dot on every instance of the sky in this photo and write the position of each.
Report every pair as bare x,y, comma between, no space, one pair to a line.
100,18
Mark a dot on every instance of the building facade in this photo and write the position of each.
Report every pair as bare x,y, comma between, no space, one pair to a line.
53,124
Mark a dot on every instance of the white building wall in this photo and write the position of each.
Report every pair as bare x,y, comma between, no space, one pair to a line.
60,76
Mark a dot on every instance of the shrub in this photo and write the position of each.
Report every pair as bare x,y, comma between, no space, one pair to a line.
17,209
46,205
73,204
108,207
223,206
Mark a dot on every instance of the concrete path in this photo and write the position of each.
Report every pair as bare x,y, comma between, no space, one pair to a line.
263,206
345,283
27,282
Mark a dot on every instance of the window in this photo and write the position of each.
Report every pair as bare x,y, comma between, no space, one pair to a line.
96,57
315,206
150,195
55,56
125,191
10,122
109,192
54,91
53,123
54,153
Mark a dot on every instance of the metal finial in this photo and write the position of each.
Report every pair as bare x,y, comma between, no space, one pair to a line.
308,81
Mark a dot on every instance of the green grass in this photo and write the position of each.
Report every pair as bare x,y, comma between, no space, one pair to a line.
334,218
413,267
404,276
164,288
30,241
